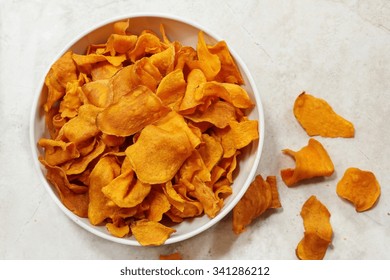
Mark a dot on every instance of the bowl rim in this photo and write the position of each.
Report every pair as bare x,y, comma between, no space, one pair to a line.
226,209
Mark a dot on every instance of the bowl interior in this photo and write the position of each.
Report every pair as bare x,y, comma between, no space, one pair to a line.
187,33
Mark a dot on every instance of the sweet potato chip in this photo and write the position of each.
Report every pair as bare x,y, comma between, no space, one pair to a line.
150,233
98,93
147,43
172,88
359,187
232,93
75,202
131,113
158,167
237,136
173,256
158,205
206,196
209,63
318,230
57,151
195,78
311,161
317,117
219,114
125,191
260,196
63,71
118,231
100,206
229,72
82,127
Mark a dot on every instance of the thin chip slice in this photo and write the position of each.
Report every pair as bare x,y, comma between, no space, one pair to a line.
131,113
219,114
260,196
75,202
118,231
311,161
125,191
173,256
359,187
237,136
318,230
150,233
158,167
57,151
317,117
209,63
63,71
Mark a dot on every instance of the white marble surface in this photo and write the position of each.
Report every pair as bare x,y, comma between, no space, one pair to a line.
337,50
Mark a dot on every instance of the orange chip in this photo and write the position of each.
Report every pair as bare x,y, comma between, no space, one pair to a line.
98,93
164,60
172,88
118,231
195,78
104,70
150,233
57,151
75,202
158,167
360,188
260,196
209,63
131,113
237,136
71,101
211,151
219,114
317,117
100,206
173,256
120,43
82,127
147,43
318,230
79,165
63,71
232,93
158,205
125,191
311,161
206,196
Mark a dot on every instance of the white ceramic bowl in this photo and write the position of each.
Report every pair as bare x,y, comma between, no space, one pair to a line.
187,33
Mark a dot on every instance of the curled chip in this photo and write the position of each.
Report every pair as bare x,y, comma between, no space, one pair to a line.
260,196
311,161
318,230
317,117
360,188
145,132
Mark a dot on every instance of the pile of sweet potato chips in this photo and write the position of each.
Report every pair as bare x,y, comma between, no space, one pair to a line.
145,132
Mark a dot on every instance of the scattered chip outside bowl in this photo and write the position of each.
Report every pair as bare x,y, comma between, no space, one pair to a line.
185,32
